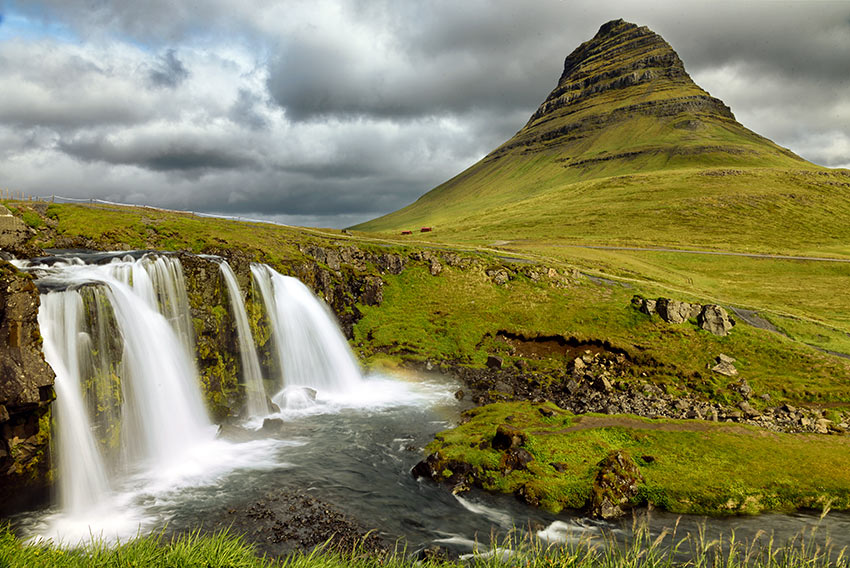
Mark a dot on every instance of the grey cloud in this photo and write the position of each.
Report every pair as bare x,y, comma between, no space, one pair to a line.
168,155
169,71
358,108
246,110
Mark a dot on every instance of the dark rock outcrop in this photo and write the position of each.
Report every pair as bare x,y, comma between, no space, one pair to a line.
615,486
26,391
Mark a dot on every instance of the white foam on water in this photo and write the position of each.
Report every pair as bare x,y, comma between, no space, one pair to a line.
494,515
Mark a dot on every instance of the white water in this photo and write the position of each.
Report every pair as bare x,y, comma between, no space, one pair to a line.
255,394
81,471
163,421
310,348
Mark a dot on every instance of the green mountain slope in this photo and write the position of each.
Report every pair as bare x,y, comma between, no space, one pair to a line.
627,148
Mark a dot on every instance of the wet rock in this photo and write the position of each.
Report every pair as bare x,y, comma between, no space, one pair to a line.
494,362
272,425
26,392
459,394
715,320
615,486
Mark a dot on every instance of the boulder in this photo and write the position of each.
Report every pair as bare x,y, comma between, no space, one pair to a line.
714,319
674,311
724,366
615,486
494,362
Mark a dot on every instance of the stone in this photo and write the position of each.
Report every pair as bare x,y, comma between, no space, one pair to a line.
715,320
507,437
615,486
499,276
822,426
602,384
494,362
724,366
515,459
435,267
272,425
674,311
648,307
578,366
460,394
373,291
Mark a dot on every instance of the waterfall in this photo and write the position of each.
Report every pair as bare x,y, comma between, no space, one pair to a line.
82,479
307,341
256,405
138,391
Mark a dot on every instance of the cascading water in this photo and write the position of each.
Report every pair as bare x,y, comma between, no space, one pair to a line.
255,394
82,476
308,343
146,378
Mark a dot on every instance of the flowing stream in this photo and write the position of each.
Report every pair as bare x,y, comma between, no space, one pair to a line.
136,449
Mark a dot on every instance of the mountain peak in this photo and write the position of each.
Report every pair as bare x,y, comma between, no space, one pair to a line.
623,105
624,71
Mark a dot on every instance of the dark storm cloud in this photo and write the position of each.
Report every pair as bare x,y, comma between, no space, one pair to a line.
160,156
169,71
333,111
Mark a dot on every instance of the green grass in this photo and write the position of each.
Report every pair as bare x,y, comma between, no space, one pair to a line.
453,317
689,466
219,550
810,549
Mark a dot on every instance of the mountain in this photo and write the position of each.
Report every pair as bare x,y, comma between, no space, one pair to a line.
626,148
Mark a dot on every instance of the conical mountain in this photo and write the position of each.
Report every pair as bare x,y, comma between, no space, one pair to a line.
626,148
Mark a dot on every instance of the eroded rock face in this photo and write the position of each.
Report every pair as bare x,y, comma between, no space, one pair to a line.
15,236
26,391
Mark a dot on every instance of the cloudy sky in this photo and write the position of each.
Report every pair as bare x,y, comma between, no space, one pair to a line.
331,112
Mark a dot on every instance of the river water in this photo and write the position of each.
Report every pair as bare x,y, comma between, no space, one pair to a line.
353,446
357,455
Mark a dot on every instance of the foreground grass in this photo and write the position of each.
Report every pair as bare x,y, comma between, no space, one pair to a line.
688,466
228,551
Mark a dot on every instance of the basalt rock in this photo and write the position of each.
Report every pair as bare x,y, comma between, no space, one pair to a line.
26,391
